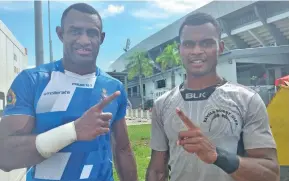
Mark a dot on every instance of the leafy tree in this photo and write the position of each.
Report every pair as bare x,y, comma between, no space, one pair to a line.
139,65
170,58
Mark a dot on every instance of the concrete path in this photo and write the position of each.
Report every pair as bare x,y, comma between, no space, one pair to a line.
130,121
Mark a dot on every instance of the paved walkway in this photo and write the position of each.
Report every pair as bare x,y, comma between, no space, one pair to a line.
137,121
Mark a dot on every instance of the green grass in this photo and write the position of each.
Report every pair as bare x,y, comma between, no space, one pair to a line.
139,136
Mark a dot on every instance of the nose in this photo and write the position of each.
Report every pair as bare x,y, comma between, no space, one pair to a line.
196,50
83,40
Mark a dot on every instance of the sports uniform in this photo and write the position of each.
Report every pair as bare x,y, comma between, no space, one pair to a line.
229,115
54,96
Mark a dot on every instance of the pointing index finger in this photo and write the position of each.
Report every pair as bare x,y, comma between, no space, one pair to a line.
100,106
185,119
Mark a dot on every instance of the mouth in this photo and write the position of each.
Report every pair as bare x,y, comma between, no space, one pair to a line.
83,51
197,62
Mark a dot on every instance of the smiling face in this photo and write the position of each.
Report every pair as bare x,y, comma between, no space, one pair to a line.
82,35
199,48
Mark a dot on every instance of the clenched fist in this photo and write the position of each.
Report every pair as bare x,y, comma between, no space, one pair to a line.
94,122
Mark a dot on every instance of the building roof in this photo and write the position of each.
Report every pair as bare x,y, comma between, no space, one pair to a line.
216,9
245,24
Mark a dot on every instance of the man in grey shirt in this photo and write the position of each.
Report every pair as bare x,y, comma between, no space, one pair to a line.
200,127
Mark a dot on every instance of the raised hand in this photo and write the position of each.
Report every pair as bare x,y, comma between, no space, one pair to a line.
94,122
193,140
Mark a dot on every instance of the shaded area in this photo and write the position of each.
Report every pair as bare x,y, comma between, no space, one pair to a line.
2,97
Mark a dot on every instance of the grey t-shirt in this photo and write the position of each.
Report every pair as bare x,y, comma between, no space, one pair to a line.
230,110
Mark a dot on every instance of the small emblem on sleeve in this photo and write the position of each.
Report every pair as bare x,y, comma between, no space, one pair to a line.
11,97
103,93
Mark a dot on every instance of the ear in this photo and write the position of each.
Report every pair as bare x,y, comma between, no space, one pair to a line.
102,37
221,47
59,33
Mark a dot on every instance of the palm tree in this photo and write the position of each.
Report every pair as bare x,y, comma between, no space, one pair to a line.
170,58
139,65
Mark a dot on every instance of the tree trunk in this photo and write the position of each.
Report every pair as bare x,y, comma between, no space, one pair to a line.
173,78
140,83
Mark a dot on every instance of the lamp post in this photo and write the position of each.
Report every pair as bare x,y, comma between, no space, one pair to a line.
38,33
49,30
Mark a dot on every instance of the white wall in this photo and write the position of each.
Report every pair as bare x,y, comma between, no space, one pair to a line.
281,59
10,47
228,70
151,91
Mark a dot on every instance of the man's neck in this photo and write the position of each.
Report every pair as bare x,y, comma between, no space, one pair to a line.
79,69
202,82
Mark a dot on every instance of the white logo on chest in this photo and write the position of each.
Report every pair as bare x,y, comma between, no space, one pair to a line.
195,95
59,91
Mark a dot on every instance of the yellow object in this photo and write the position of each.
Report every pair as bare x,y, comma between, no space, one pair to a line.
278,110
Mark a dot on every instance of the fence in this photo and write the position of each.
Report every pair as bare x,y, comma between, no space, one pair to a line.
138,114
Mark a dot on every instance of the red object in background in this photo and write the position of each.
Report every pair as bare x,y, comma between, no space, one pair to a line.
281,80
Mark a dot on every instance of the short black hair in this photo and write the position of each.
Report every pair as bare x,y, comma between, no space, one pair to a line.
82,7
199,18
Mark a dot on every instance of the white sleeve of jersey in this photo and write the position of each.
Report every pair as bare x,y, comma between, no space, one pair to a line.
159,141
256,131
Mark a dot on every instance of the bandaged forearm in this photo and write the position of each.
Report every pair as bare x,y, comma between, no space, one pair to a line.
54,140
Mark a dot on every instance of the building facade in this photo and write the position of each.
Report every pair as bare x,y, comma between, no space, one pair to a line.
256,36
13,59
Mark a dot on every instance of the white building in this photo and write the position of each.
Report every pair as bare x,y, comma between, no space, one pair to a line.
256,36
13,59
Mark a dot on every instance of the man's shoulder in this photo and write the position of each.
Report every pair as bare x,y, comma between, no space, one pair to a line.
46,68
166,97
108,78
236,89
39,73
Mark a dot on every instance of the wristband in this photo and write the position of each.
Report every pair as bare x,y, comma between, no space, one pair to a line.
52,141
228,162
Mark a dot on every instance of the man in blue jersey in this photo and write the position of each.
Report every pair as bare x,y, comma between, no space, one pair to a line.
62,117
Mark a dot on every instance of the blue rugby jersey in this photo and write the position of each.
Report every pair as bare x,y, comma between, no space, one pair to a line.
54,97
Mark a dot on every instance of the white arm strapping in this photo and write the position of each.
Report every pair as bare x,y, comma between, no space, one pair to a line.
52,141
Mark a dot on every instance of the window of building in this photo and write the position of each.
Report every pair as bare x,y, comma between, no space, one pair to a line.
16,70
271,76
284,71
15,57
161,83
144,89
129,92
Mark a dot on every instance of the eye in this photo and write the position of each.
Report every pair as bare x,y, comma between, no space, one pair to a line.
188,44
207,43
75,31
92,33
